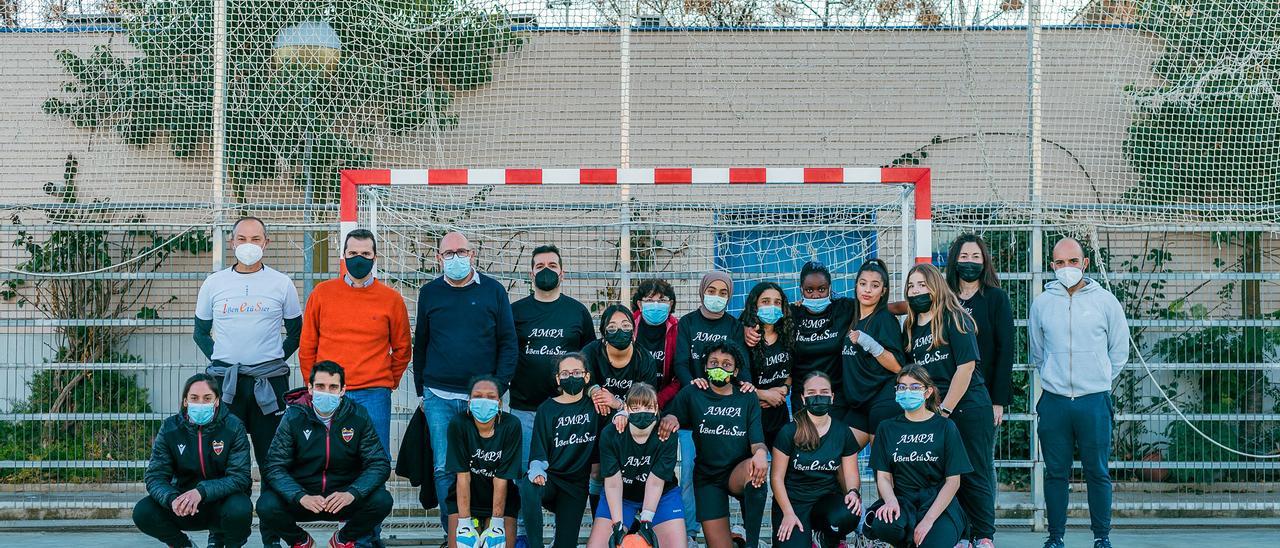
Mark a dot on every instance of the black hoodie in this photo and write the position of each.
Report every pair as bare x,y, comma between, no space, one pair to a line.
213,459
309,458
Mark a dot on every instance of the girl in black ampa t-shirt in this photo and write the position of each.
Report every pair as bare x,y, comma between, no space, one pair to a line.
768,312
641,492
562,454
941,338
815,473
873,354
731,461
484,453
918,458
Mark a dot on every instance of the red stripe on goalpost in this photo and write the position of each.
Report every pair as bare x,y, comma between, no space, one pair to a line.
598,177
673,176
748,175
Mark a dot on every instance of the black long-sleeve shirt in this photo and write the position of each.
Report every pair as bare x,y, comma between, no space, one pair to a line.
991,310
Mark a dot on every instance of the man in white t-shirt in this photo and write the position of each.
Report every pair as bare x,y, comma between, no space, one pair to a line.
239,315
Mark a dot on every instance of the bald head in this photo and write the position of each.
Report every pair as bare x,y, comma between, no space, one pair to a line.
1069,252
454,241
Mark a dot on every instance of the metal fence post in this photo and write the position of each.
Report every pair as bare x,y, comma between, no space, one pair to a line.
1035,174
219,129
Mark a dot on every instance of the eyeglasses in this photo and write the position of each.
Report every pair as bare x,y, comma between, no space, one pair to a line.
913,386
455,253
617,328
572,373
662,300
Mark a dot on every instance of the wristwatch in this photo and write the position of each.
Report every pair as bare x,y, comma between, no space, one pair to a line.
942,409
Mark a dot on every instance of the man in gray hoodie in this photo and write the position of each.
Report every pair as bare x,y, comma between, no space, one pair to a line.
1079,341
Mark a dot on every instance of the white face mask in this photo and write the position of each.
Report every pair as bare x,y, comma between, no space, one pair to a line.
248,254
1069,276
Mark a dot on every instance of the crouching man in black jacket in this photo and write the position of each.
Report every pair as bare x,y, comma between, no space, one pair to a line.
325,464
198,476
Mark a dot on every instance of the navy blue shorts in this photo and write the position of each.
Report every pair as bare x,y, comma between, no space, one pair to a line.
669,507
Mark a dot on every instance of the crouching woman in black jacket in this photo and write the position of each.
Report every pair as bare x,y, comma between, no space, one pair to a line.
325,464
198,476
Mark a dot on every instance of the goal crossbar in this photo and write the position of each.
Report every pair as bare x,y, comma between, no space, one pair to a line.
917,221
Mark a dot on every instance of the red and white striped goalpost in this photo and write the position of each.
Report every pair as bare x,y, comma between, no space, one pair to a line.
918,221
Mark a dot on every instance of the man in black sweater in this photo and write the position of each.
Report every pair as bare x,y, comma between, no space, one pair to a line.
464,330
325,464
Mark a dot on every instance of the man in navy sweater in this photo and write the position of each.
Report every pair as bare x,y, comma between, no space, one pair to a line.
465,329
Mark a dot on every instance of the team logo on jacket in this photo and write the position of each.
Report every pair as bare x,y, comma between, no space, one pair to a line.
307,433
347,434
182,448
217,447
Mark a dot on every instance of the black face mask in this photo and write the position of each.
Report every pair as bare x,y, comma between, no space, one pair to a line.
573,385
546,279
358,266
642,419
619,339
818,405
920,303
969,272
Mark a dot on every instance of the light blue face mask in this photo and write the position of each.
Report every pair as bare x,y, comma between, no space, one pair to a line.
715,304
769,314
324,402
817,306
483,409
655,313
909,400
200,414
457,268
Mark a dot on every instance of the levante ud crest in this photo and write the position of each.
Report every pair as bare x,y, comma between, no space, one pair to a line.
347,434
217,447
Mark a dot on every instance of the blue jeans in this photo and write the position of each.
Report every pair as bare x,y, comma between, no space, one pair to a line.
687,455
377,403
439,411
1082,422
530,503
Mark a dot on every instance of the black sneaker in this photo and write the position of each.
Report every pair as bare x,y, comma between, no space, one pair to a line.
1054,542
1102,543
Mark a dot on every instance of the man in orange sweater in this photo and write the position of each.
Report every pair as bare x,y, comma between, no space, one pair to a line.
363,325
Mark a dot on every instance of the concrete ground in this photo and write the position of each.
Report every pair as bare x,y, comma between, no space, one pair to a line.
1210,537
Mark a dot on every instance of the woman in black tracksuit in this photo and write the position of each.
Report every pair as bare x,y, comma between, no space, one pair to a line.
562,452
971,274
198,476
815,474
940,336
918,458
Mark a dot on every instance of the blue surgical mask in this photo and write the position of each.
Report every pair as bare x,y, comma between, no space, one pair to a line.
483,409
655,313
200,414
457,268
817,306
769,314
324,402
714,304
909,400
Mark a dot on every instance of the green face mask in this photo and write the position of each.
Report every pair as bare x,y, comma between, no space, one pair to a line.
718,376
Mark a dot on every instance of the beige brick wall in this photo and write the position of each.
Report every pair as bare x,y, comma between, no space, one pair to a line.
698,98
